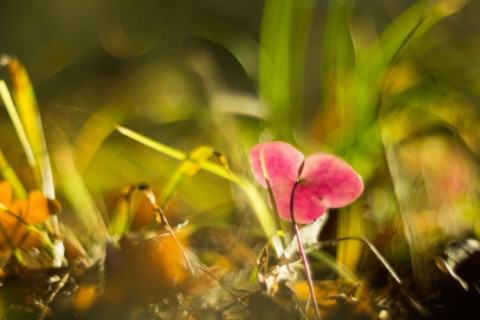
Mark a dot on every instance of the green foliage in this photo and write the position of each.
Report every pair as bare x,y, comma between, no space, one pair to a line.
148,94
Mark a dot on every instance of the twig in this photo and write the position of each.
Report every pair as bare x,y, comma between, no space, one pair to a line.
163,220
59,287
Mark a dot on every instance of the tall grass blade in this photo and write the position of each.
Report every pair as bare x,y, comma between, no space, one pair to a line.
362,89
27,106
76,192
17,123
284,36
338,51
401,191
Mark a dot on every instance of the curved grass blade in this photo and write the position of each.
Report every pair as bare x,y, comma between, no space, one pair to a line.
242,45
249,189
27,107
17,124
251,192
332,263
95,130
78,195
370,246
187,168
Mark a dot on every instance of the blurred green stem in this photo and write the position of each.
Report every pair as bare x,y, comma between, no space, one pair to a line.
284,38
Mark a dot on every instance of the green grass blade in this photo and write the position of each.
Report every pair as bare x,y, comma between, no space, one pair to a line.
17,123
261,210
27,107
388,48
356,92
332,263
283,41
402,192
211,167
121,219
171,152
275,55
254,198
187,168
95,130
338,51
242,45
76,192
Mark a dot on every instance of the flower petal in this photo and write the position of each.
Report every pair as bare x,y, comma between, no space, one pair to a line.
307,207
281,161
331,179
282,193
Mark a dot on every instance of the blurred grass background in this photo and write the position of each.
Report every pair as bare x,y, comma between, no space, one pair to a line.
390,86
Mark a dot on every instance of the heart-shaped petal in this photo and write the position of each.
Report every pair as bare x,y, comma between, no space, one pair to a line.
324,181
307,205
330,179
282,193
281,162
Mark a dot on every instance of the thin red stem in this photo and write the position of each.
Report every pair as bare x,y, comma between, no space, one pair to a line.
303,256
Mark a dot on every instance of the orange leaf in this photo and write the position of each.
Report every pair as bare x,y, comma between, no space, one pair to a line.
5,194
34,209
18,214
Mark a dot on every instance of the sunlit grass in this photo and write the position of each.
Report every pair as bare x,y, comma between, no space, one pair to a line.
397,101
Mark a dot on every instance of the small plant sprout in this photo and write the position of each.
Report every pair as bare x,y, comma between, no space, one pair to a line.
302,189
321,180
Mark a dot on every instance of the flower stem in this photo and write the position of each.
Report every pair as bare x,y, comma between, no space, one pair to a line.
303,256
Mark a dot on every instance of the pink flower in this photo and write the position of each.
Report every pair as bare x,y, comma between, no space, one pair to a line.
323,180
